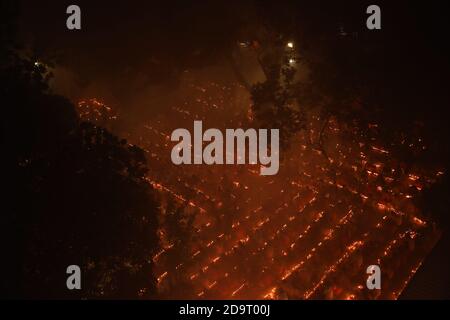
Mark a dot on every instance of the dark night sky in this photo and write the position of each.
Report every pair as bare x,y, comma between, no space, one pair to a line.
164,37
125,48
119,34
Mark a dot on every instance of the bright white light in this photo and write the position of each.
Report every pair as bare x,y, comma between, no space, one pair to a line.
290,45
244,44
291,61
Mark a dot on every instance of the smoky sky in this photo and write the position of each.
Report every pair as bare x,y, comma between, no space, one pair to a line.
131,53
117,37
129,47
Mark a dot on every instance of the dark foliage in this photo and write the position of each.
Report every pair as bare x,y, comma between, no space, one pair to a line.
75,194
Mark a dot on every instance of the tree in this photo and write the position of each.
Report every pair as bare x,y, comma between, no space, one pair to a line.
76,194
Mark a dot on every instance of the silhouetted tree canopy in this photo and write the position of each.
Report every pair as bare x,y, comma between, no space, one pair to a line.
76,194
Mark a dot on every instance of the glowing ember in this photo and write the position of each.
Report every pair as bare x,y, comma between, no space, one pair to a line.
308,232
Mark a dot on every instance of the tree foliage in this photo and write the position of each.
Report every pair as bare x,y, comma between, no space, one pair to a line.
76,194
